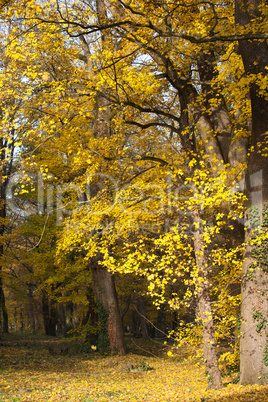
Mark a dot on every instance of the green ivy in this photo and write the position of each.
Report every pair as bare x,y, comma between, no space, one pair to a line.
103,336
257,315
265,353
254,218
250,272
260,251
265,216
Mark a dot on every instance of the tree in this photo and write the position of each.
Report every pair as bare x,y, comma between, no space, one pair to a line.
124,89
9,140
254,314
55,106
187,53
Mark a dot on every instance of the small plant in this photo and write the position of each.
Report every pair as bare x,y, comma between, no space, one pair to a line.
236,380
209,378
144,367
204,399
136,368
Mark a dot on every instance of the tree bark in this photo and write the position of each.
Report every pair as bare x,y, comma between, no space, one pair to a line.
204,307
105,293
254,309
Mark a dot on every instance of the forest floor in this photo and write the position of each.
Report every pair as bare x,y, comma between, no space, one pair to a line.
44,369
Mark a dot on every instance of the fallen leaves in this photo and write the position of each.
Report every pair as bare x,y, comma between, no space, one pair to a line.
34,375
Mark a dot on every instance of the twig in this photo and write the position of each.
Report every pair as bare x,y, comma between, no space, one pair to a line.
42,234
147,351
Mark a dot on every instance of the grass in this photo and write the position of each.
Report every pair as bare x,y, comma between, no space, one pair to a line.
41,369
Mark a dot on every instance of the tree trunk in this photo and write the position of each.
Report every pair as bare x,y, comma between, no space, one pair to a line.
21,323
91,317
204,307
31,310
160,330
105,293
254,309
49,315
3,188
102,280
144,322
3,310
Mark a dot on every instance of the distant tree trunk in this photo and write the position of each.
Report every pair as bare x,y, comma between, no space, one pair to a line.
3,310
205,309
135,323
5,172
105,293
75,317
68,317
61,325
161,317
31,310
254,308
143,320
91,316
16,319
49,315
21,322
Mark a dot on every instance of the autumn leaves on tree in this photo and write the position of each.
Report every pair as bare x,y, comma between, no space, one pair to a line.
150,121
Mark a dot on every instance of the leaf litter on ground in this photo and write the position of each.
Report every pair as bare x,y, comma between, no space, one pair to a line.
29,372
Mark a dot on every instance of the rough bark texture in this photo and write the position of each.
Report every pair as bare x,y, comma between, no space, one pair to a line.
205,310
254,310
219,118
105,293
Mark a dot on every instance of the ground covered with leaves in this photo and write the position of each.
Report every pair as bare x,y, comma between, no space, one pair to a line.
47,370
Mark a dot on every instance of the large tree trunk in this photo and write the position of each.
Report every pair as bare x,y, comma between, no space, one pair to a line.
254,310
204,307
254,307
105,293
